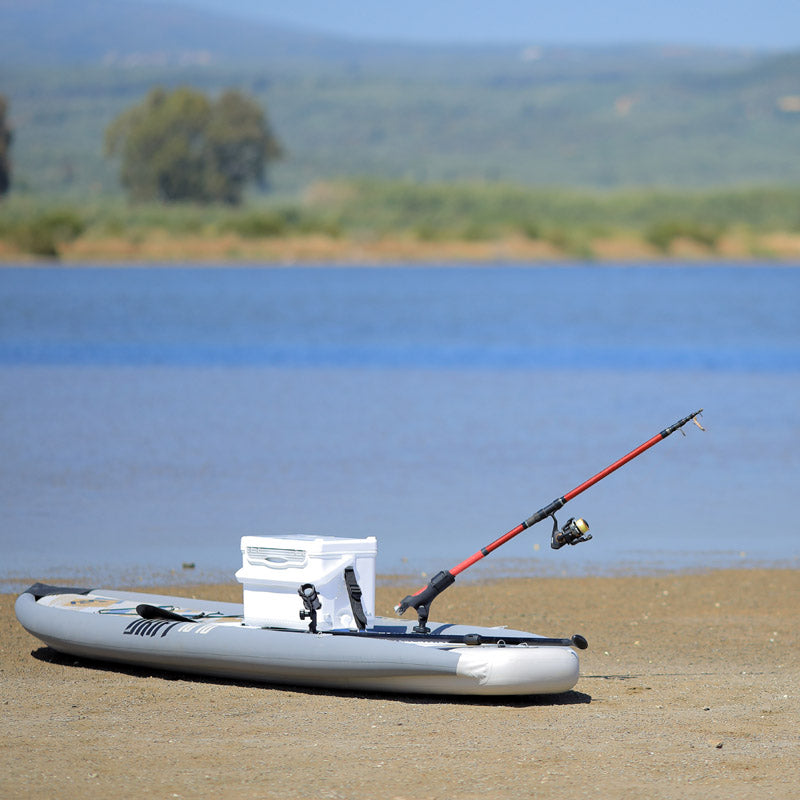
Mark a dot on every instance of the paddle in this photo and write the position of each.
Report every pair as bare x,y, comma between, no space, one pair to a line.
576,640
146,611
572,533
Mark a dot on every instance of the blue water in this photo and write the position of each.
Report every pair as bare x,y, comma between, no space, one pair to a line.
151,417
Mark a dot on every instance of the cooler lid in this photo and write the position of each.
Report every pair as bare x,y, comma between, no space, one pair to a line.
294,547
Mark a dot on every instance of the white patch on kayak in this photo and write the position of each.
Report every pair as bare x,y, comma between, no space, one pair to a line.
474,663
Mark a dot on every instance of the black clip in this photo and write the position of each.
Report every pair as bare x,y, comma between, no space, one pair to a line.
312,604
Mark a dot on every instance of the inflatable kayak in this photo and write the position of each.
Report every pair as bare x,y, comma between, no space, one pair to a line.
216,639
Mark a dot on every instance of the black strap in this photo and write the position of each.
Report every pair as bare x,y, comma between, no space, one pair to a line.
354,593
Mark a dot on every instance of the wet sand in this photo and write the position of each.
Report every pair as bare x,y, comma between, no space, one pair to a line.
690,688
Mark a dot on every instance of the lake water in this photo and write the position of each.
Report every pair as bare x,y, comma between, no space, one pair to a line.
151,417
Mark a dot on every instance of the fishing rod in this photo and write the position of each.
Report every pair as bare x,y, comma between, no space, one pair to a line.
573,532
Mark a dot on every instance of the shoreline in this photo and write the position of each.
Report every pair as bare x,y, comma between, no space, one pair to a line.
199,579
158,249
688,690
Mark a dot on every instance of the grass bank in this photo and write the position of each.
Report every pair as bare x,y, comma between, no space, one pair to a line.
374,220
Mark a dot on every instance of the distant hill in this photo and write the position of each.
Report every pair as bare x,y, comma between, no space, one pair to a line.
148,33
599,117
130,32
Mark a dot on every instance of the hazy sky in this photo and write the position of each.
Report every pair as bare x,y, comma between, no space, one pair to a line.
772,24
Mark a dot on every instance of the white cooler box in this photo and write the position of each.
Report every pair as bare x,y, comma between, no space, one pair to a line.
274,568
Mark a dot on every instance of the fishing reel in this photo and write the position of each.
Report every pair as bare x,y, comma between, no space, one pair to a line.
574,531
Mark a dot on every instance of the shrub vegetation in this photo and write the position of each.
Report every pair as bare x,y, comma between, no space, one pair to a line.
472,212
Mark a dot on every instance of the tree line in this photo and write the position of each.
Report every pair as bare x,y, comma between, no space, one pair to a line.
182,146
5,147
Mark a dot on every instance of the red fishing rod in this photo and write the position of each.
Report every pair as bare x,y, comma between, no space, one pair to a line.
573,532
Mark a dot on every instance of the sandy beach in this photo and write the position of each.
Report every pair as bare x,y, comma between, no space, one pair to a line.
162,248
689,688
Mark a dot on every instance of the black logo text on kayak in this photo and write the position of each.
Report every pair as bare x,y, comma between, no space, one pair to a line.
149,627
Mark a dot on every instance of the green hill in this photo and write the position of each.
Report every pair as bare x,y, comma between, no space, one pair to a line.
536,116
